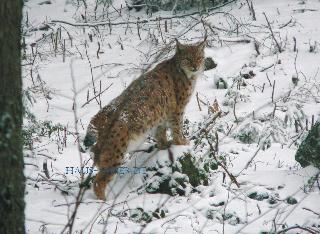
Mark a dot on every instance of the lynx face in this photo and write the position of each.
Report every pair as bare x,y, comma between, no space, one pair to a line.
191,58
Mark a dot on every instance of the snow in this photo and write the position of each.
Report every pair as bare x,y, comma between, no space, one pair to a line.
220,207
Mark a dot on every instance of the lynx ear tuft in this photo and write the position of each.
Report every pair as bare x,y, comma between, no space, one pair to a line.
205,37
178,44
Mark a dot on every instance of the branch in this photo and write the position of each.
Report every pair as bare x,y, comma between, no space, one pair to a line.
266,68
311,211
249,162
286,24
87,102
214,151
297,227
272,34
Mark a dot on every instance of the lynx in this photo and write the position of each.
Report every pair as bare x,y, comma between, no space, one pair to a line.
156,100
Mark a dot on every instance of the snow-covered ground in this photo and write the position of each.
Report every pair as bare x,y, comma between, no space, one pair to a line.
61,83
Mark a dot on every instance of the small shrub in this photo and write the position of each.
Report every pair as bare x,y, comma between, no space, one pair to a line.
309,150
180,178
248,133
291,200
258,196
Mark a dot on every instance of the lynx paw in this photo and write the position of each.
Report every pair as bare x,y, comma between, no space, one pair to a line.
99,193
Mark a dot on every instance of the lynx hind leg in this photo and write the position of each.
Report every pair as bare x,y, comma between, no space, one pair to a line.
161,137
108,164
110,158
176,122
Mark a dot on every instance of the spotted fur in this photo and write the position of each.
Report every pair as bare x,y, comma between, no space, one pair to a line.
156,100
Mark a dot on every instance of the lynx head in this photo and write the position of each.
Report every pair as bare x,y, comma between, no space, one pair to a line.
190,58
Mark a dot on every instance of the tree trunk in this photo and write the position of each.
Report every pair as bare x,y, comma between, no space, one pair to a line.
11,157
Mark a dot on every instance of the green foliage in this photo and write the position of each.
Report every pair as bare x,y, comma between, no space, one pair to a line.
230,217
211,213
196,176
211,165
159,213
164,183
258,196
139,215
248,133
272,200
232,95
309,150
246,137
179,178
34,129
291,200
221,83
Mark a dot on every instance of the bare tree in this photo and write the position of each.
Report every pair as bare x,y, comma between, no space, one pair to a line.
11,158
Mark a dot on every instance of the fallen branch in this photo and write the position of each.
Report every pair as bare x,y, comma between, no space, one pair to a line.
286,24
311,211
266,68
135,22
236,40
298,227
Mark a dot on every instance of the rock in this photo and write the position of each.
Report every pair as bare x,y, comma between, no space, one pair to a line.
309,150
209,64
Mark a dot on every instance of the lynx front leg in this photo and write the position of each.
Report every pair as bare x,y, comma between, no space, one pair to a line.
108,162
161,137
176,127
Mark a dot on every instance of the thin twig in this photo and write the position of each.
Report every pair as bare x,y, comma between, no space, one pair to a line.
87,102
272,34
297,227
